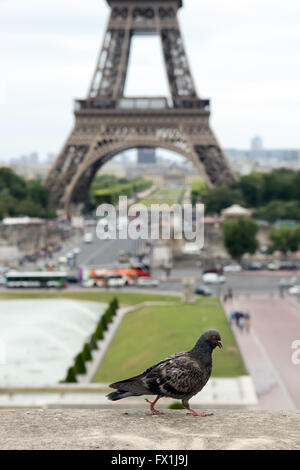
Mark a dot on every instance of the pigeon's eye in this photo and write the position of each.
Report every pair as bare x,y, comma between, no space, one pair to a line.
213,337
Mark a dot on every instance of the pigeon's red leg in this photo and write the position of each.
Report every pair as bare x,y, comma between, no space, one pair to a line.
152,403
198,413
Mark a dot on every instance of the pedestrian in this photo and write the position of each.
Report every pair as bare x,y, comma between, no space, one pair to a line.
241,322
236,317
247,322
232,317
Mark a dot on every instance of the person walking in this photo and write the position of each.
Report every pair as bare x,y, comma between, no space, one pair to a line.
231,318
247,322
241,322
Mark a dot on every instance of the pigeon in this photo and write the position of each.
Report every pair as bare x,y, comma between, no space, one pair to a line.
180,376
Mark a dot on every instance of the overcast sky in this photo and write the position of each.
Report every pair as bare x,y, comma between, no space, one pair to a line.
244,55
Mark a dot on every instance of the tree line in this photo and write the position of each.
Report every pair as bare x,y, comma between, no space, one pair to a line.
273,196
19,196
108,188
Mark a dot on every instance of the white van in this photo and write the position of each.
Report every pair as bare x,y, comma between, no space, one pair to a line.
88,237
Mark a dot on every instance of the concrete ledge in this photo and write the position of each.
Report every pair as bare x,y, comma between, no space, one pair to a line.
117,429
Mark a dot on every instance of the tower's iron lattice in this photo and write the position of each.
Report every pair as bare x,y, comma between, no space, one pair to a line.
107,123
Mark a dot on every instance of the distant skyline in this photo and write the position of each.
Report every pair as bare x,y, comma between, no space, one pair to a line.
244,56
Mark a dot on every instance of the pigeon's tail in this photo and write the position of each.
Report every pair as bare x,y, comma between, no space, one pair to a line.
119,394
132,387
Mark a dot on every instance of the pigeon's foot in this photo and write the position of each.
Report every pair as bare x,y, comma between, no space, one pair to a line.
198,413
152,403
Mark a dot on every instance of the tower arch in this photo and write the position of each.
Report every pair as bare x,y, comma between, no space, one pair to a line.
107,122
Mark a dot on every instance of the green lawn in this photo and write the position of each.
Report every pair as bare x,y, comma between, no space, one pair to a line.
125,298
149,334
164,195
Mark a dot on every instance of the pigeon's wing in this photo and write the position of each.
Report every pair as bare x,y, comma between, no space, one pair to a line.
177,376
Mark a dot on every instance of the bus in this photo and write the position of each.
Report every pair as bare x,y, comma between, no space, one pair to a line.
15,279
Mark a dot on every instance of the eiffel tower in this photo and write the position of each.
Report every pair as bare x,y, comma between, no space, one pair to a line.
107,122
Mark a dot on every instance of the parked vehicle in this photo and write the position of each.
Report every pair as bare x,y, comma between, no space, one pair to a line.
203,290
147,282
253,266
289,265
88,237
295,290
191,249
213,278
287,282
232,268
124,257
273,266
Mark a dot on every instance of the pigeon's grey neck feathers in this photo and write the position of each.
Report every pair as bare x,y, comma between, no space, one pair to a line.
202,351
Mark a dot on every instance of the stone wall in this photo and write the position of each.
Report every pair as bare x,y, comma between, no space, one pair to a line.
132,429
31,238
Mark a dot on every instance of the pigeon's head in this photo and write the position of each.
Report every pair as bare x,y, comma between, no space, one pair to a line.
213,338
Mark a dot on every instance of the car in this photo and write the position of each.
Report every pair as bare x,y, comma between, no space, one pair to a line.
213,278
76,251
287,281
88,237
190,249
116,281
254,266
124,257
203,290
295,290
147,282
232,268
289,265
273,266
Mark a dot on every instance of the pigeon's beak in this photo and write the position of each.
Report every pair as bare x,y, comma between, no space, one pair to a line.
220,344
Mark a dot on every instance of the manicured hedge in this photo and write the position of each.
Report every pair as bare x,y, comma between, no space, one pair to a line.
86,353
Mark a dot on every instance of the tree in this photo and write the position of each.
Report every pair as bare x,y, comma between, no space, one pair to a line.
71,376
86,352
103,322
14,183
8,204
278,185
285,239
278,210
252,187
37,193
99,331
30,208
220,197
93,342
239,236
79,365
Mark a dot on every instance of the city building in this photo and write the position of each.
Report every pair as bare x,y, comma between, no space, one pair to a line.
258,158
146,155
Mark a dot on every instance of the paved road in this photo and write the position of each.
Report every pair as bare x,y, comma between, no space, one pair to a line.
267,350
244,283
101,252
